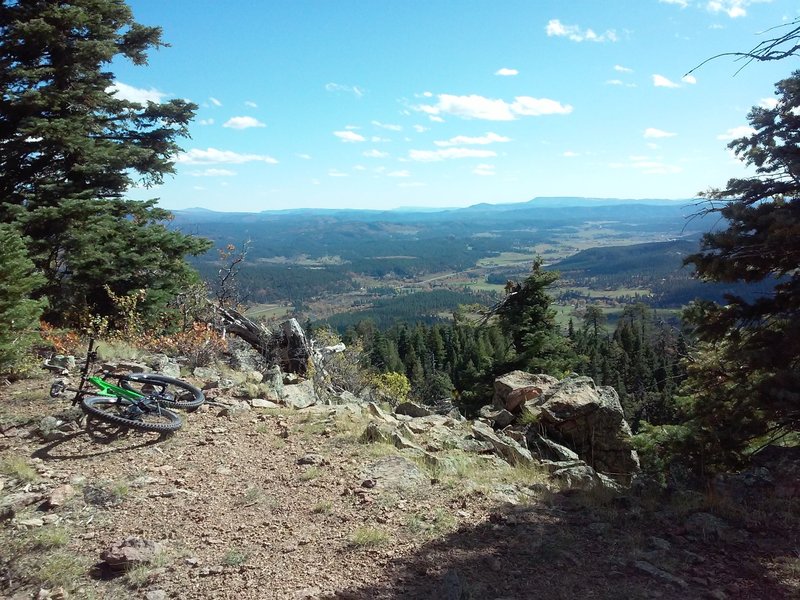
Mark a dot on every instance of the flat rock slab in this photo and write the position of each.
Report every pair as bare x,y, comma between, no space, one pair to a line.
396,473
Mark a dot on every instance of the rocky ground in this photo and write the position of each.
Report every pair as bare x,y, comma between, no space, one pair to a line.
255,503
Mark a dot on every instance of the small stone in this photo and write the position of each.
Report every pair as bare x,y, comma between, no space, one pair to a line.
50,519
60,495
156,595
263,403
310,459
32,522
130,551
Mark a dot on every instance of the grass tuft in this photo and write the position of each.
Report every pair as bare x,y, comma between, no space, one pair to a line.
369,536
234,557
18,468
323,508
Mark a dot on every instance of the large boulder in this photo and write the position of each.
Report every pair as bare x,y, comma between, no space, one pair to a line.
514,390
300,395
589,420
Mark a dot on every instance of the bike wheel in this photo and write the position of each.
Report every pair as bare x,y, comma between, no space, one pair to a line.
168,391
119,412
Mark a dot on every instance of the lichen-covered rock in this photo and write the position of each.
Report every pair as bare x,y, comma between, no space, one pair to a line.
506,447
513,390
412,409
579,415
300,395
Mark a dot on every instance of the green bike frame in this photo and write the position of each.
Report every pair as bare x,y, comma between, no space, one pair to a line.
112,391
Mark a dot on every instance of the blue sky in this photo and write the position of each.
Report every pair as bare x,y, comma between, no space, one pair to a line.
383,104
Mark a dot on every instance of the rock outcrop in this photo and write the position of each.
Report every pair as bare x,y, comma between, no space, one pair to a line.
589,420
565,420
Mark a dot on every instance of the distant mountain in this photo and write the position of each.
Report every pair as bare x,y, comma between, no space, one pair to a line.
426,213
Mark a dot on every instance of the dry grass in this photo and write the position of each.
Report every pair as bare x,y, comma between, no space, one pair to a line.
18,468
369,536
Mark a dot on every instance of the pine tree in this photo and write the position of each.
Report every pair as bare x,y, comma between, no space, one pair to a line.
746,377
527,318
70,148
19,314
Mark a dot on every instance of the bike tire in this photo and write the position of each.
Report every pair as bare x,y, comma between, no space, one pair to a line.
188,397
112,410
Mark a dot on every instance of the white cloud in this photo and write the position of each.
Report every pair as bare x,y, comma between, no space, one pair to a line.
460,140
653,133
534,107
352,127
250,104
492,109
484,170
733,8
378,139
359,168
214,101
621,69
206,122
211,156
690,79
349,89
570,154
420,128
614,82
505,72
243,123
123,91
736,132
387,126
402,173
303,156
448,153
681,3
436,119
349,136
336,173
213,173
556,28
768,102
375,154
661,81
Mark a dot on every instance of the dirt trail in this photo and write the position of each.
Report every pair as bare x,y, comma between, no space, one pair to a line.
274,504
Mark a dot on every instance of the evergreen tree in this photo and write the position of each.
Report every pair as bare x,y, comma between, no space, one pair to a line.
19,315
746,376
71,147
527,318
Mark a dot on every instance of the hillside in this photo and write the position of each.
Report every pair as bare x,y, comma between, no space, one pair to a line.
656,266
332,257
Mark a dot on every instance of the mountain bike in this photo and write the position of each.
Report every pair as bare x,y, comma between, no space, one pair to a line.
137,400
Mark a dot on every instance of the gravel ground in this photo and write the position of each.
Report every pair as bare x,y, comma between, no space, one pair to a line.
255,504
